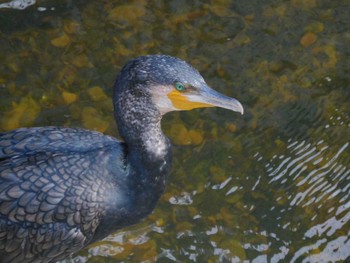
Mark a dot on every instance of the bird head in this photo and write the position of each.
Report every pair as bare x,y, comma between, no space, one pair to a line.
179,86
174,85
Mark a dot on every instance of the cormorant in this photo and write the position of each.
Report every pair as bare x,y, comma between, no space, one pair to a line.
62,189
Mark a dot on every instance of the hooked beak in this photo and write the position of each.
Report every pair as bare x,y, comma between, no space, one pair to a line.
203,97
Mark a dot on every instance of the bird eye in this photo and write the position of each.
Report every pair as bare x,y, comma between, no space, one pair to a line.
179,86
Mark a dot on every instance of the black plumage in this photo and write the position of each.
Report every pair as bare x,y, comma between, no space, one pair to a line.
64,188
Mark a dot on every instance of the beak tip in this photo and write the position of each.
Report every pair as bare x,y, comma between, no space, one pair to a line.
238,107
242,110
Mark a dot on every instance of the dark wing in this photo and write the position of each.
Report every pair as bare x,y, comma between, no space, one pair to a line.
50,139
52,191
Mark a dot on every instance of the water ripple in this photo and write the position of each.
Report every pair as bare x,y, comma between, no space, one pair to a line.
18,4
315,181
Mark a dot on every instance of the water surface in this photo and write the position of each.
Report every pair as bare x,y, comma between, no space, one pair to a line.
269,186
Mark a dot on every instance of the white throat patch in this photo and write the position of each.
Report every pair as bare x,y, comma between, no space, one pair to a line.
161,100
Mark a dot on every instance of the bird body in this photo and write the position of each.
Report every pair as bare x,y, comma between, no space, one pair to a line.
44,187
62,189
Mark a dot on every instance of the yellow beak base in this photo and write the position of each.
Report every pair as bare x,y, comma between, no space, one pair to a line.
181,102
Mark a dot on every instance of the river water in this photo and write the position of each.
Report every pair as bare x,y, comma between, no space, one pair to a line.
269,186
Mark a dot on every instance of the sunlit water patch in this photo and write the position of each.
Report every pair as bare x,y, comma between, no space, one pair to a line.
312,213
17,4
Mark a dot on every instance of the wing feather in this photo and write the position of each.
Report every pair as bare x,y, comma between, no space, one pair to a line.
52,190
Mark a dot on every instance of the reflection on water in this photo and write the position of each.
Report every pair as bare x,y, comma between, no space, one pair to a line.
316,184
272,185
17,4
300,213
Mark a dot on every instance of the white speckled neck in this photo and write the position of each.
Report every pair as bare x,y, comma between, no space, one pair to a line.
154,141
139,124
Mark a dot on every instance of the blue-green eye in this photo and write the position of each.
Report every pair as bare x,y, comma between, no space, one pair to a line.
179,86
